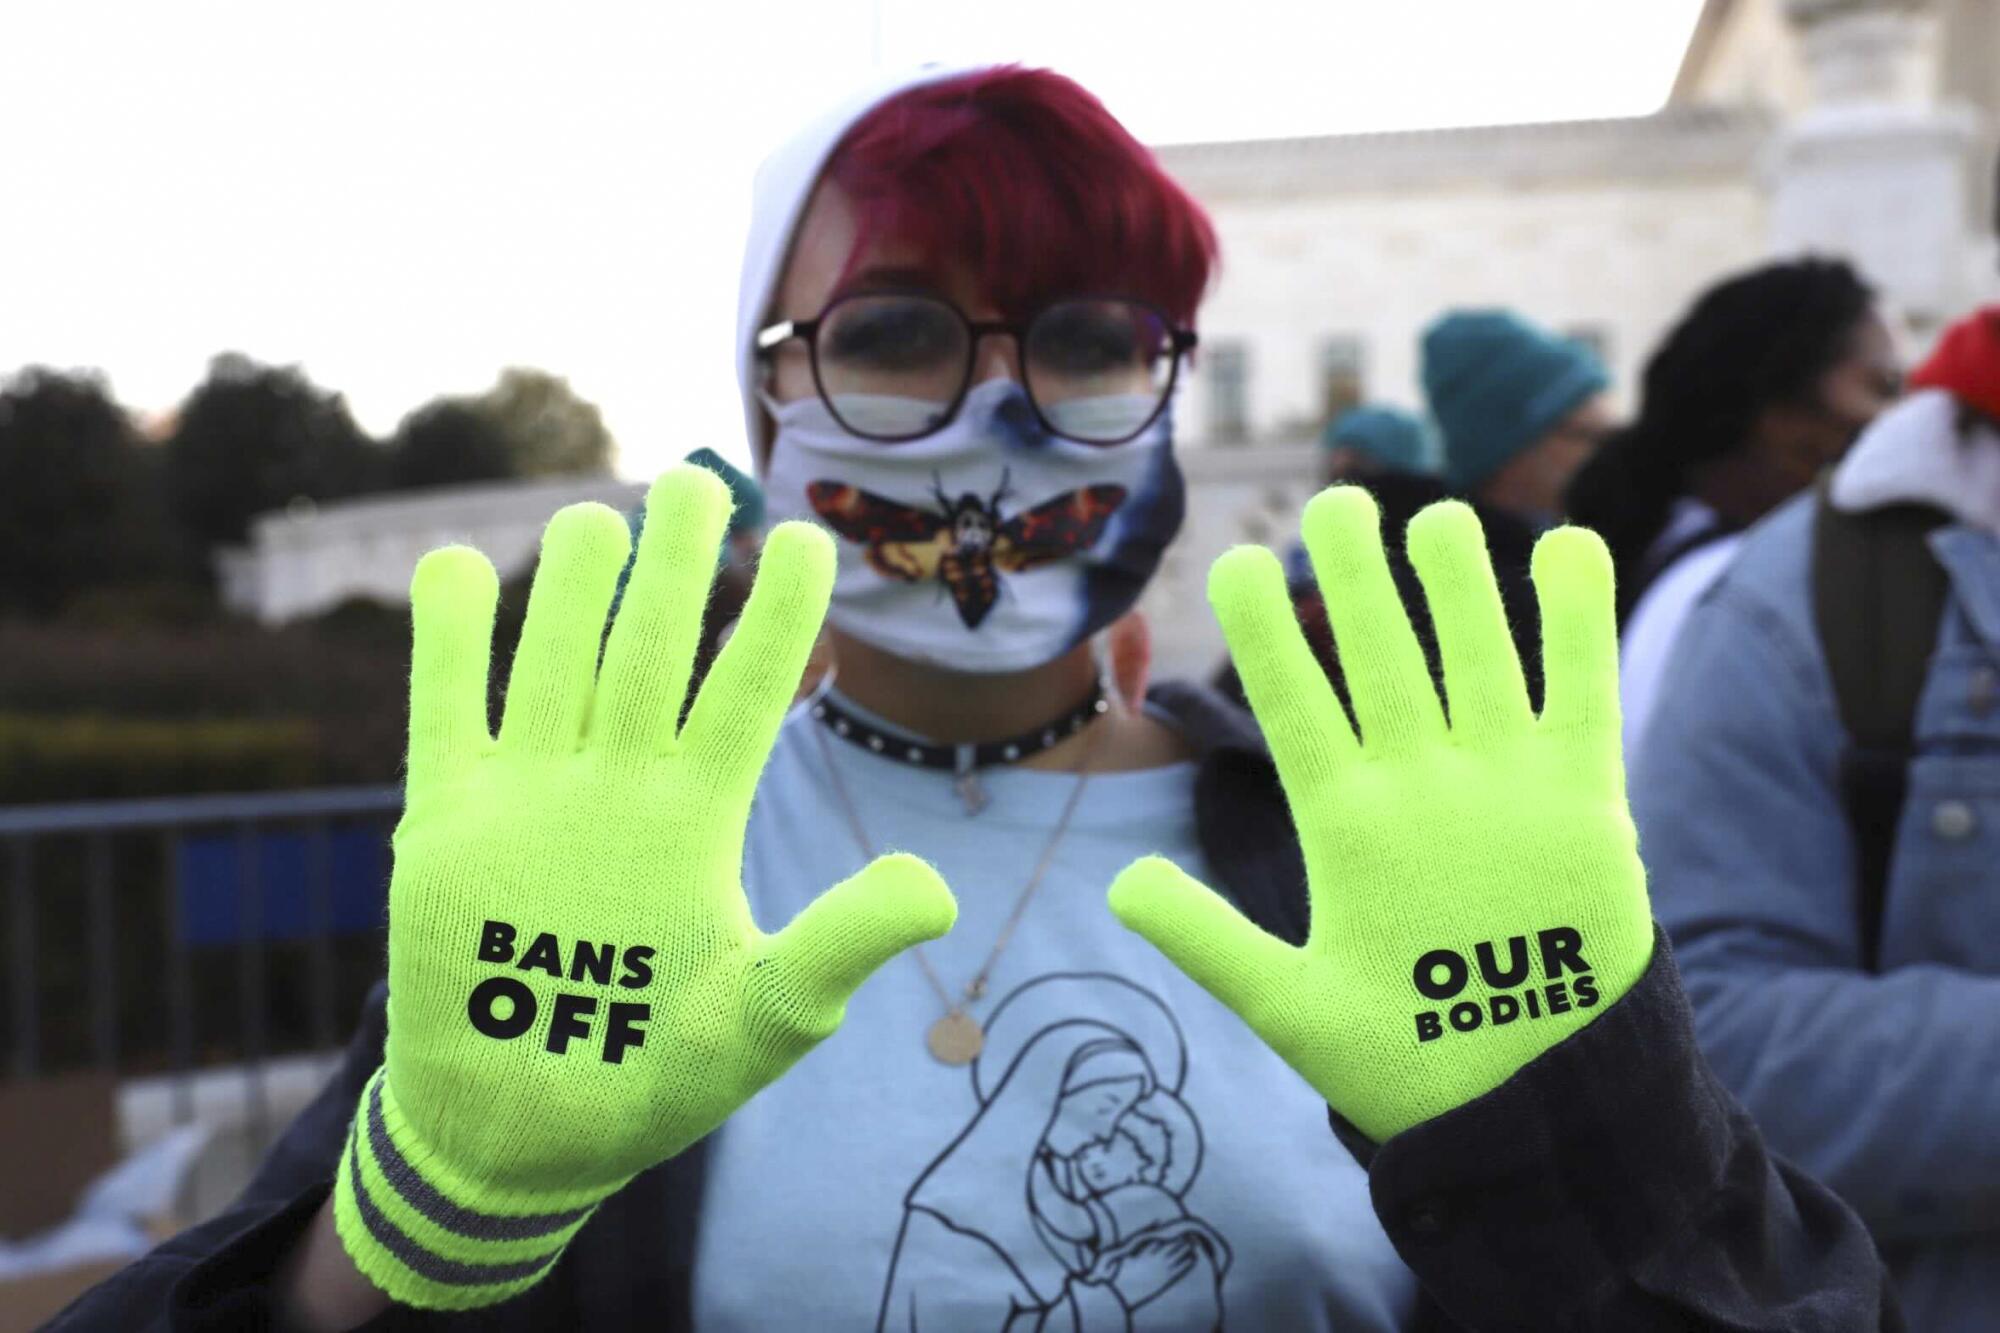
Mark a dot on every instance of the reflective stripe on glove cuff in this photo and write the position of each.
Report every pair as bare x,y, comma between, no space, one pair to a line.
419,1244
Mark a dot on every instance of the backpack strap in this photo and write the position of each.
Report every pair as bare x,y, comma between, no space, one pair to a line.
1878,594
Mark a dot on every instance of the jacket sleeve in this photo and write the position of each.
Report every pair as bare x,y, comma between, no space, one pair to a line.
217,1275
1886,1086
1613,1184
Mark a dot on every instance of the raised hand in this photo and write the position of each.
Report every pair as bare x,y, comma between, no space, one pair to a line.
1474,877
576,988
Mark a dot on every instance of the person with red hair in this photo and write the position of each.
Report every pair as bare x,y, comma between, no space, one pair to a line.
967,298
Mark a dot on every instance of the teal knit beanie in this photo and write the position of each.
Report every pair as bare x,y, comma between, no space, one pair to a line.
748,516
1392,437
1497,384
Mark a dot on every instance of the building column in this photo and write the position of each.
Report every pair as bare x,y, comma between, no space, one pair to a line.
1876,170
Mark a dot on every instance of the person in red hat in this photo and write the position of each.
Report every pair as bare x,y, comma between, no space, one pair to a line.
1966,363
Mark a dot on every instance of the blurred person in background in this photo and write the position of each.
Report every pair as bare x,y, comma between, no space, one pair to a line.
1041,1121
1518,408
1393,455
1816,799
1373,438
735,562
1767,379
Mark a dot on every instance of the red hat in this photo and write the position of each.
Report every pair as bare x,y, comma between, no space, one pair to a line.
1966,363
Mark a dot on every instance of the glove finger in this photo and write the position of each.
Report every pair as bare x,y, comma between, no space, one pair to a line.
1573,585
548,692
1388,681
806,971
1204,935
650,656
1287,688
756,675
1482,671
452,596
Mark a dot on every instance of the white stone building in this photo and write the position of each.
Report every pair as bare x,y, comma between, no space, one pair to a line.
310,558
1863,128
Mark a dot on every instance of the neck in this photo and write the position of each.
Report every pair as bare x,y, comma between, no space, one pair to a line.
953,707
1739,487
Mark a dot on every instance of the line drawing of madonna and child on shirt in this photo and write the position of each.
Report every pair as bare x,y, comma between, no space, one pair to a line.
1061,1207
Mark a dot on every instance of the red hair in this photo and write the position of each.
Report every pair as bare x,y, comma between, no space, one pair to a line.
1026,179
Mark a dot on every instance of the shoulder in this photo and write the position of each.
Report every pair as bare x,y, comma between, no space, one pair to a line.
1763,595
1747,654
1657,618
1772,565
1206,719
1242,820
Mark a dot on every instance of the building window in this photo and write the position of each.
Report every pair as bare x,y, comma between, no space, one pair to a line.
1226,368
1343,375
1595,338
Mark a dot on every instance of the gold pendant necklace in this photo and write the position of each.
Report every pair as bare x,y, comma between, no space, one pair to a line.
957,1038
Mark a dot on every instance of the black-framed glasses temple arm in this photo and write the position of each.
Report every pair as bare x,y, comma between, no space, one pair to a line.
783,331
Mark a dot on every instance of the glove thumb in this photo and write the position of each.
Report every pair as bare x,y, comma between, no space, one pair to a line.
1202,934
805,972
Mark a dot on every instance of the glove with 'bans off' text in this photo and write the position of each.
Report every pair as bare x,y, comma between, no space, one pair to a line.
576,988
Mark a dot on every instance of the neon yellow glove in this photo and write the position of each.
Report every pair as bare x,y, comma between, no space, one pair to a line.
1475,884
576,988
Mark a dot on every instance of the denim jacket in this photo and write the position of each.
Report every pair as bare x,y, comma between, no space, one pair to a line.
1885,1085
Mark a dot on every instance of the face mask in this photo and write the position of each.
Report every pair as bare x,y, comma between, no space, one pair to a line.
990,546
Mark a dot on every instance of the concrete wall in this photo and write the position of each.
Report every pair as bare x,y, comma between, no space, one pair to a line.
307,559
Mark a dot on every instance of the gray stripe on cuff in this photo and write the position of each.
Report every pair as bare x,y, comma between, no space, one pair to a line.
422,1196
422,1262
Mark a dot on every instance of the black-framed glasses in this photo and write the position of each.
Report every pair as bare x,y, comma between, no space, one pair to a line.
896,366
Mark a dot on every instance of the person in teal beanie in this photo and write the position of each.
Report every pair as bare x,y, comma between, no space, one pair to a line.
1373,438
735,562
1520,409
746,521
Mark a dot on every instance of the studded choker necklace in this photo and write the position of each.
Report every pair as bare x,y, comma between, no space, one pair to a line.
958,1037
962,760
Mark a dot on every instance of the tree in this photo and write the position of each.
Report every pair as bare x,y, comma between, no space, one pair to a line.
252,438
529,424
447,442
72,503
549,430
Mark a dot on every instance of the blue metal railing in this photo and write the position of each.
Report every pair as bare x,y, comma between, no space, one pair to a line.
220,882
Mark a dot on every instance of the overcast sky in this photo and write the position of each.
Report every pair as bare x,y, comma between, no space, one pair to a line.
406,197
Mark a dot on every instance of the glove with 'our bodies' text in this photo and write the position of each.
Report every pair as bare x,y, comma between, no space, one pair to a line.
1474,878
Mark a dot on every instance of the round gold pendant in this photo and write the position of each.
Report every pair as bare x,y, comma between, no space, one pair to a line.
955,1039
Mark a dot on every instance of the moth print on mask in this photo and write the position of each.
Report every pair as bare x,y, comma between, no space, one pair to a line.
965,543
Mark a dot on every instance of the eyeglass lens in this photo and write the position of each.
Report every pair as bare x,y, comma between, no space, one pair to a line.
892,366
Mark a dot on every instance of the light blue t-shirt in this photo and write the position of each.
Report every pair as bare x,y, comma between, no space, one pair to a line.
1124,1155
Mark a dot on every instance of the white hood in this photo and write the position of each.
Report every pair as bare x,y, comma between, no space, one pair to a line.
784,182
1916,452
